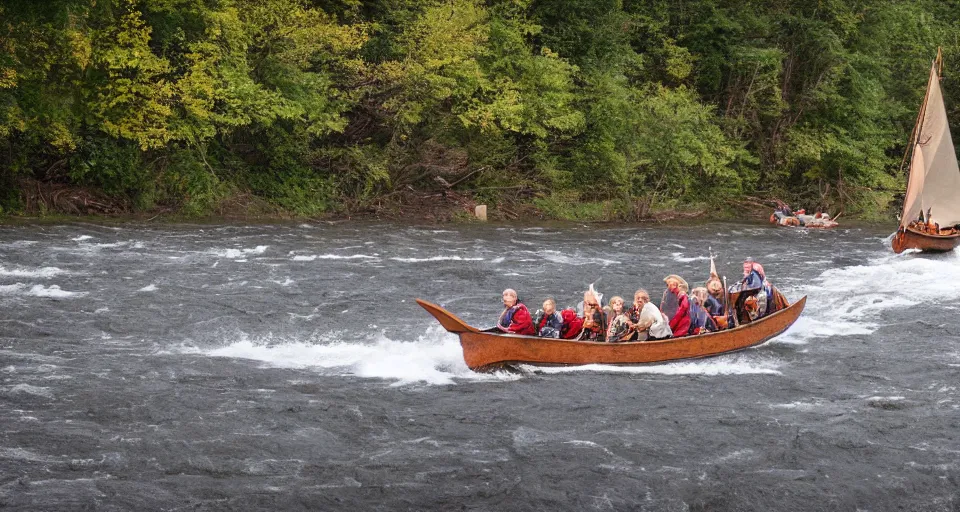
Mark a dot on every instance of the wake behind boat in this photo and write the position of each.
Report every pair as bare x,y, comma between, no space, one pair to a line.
485,350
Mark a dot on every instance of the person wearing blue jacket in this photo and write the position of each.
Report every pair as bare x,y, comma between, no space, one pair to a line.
547,321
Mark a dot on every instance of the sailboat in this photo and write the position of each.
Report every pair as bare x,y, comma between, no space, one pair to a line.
931,207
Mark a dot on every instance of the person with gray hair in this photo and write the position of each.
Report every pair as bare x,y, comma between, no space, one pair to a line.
515,318
646,320
547,322
594,318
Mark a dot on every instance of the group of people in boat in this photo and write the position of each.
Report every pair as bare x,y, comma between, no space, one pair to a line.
928,226
783,215
682,312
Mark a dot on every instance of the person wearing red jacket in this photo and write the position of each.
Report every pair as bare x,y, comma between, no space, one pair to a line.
680,321
515,317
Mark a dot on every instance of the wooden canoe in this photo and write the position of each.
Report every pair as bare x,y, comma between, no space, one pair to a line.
910,238
485,350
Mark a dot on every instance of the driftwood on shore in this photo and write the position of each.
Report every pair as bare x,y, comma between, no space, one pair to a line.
42,197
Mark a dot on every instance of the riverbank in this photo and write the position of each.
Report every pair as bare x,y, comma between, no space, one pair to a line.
58,203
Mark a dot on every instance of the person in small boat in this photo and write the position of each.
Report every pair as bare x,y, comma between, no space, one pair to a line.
784,208
515,317
919,223
594,318
782,214
619,327
925,224
805,219
680,319
821,215
645,320
547,321
701,319
932,227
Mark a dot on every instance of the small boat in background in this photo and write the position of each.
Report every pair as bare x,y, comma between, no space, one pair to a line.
816,223
931,207
783,215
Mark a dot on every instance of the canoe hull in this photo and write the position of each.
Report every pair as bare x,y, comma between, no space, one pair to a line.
912,239
483,350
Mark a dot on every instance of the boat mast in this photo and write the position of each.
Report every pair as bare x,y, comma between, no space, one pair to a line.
915,135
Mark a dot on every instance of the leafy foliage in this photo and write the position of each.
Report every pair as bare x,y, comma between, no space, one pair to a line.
325,105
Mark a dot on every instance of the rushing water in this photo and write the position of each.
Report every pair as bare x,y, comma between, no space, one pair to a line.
288,367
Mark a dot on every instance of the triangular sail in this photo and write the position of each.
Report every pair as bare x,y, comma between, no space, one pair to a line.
934,181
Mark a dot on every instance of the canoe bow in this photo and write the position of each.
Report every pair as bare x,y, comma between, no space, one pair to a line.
448,320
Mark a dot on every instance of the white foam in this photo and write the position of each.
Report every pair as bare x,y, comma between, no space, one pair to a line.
110,245
312,257
239,253
434,358
730,365
679,257
38,290
797,405
29,390
19,243
43,272
563,259
435,258
807,327
350,257
81,238
26,455
148,288
848,301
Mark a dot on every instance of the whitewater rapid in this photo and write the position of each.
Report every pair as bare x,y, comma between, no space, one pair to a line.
287,366
843,300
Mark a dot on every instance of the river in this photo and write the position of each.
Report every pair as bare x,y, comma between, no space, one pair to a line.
287,367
